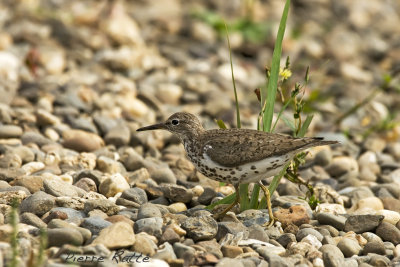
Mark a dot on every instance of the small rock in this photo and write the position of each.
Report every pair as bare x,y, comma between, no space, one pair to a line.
114,184
39,203
231,251
145,244
86,184
377,247
95,224
152,226
362,223
286,238
177,207
108,165
388,232
61,236
118,135
200,228
148,210
163,175
233,228
169,236
336,221
349,247
227,262
104,205
10,131
308,231
368,203
57,223
389,216
117,235
296,215
206,197
332,256
177,193
82,141
135,194
342,165
166,252
32,219
59,188
182,249
391,204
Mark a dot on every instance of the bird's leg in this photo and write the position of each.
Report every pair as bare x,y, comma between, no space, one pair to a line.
237,199
269,207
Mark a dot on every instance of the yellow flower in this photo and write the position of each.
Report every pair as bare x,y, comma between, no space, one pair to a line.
285,73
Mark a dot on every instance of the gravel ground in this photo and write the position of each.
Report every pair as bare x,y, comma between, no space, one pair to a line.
79,77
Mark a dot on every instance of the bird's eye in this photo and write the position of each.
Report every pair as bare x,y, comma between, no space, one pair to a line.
175,122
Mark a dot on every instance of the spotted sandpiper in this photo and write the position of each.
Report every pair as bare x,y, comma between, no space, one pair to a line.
235,156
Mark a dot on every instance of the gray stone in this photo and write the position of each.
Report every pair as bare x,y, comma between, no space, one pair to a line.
95,224
36,138
206,197
228,262
25,153
152,226
57,223
104,205
163,175
177,193
362,223
379,260
74,216
258,232
60,188
376,247
118,135
388,232
10,131
233,228
332,256
32,219
211,246
308,231
330,219
86,184
148,210
181,249
349,247
61,236
200,228
132,160
166,252
135,194
272,259
39,203
286,239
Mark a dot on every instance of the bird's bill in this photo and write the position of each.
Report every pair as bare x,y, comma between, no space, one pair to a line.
152,127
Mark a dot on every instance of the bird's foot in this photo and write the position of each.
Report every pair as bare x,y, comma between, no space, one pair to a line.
270,222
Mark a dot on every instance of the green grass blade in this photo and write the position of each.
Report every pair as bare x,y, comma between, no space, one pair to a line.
221,124
305,126
238,123
280,113
269,94
254,197
226,200
244,197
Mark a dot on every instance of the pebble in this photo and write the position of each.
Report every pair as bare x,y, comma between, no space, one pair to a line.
308,231
152,226
94,224
117,235
118,135
38,203
32,219
376,247
342,165
113,185
177,193
200,228
104,205
163,175
349,247
10,131
296,215
86,184
57,223
165,252
148,210
81,141
145,244
233,228
362,223
330,219
61,236
135,194
59,188
388,232
332,256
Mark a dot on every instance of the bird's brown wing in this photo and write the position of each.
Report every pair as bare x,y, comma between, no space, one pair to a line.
234,147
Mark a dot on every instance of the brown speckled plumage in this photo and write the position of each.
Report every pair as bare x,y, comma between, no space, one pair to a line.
234,155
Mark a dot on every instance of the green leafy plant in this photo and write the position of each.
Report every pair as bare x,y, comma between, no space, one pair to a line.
267,97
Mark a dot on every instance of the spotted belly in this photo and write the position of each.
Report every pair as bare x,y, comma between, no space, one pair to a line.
246,173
